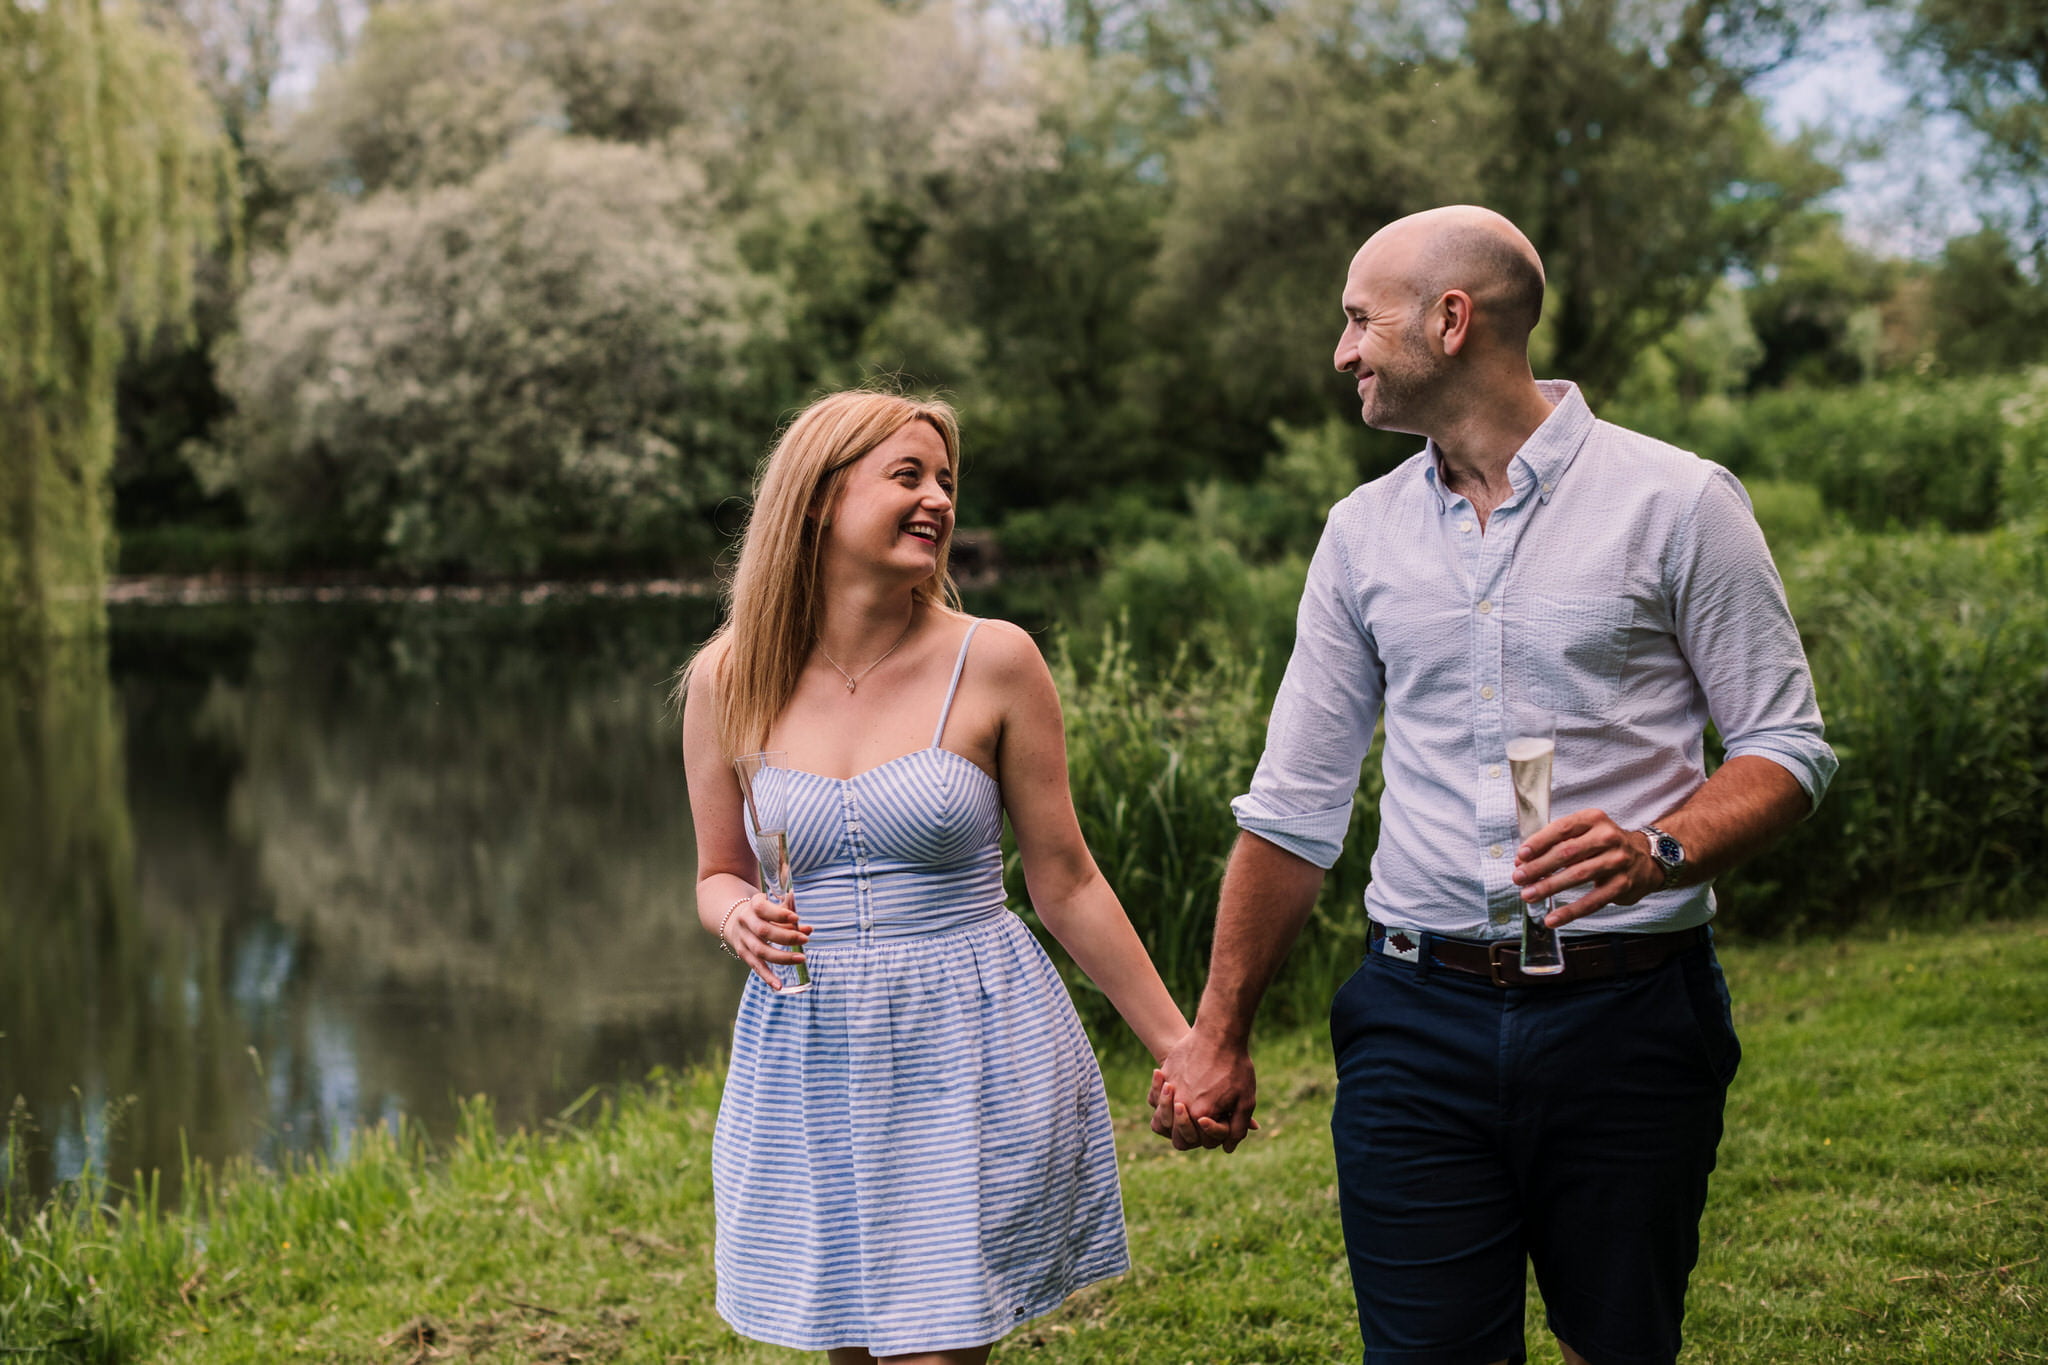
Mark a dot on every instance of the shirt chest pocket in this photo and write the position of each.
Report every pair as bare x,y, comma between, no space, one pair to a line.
1571,649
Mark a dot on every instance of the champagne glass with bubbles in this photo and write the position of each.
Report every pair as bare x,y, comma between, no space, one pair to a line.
764,791
1532,748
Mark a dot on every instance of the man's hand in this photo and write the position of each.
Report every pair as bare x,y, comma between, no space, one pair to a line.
1203,1093
1582,848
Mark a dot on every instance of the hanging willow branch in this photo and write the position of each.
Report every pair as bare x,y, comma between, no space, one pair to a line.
114,175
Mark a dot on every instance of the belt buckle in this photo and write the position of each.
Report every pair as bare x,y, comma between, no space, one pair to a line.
1494,951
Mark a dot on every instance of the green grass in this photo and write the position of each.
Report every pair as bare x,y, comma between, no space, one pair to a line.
1881,1196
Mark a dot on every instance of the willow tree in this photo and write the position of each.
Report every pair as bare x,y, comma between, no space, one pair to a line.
112,173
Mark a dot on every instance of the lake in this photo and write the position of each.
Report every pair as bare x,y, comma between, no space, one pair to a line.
272,873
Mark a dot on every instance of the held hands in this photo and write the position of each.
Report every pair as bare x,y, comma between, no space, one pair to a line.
1585,848
1203,1093
755,928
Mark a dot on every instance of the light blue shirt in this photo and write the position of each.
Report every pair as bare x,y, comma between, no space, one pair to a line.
1623,585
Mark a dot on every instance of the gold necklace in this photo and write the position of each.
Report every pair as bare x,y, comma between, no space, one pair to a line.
853,679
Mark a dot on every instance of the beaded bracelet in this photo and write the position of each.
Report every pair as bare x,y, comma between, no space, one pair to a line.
727,919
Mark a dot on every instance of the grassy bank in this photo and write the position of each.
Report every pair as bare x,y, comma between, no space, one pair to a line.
1880,1197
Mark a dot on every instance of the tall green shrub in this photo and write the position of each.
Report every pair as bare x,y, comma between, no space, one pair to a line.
554,353
1930,657
1155,755
1905,452
111,171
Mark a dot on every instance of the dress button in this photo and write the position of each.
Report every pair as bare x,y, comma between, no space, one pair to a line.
1487,692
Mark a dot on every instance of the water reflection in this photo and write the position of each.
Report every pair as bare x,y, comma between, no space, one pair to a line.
273,873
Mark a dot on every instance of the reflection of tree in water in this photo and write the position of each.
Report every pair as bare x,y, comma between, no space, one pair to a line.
476,827
72,950
379,858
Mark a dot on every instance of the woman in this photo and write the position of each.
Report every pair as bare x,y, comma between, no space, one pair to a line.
914,1156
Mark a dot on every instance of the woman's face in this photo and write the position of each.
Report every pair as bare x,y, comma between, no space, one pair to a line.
896,506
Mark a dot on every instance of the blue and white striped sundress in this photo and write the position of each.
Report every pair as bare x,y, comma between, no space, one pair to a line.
916,1154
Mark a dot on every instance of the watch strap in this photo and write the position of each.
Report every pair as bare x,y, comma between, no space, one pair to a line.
1674,868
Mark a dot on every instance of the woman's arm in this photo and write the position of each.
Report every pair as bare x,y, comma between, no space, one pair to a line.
726,867
1066,888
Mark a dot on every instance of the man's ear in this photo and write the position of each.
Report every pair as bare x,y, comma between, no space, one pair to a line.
1455,320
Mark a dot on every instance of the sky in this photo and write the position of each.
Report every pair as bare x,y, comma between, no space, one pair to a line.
1915,192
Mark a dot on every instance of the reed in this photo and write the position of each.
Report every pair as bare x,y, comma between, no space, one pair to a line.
1155,752
1930,657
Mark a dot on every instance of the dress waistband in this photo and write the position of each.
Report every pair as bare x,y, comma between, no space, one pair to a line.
886,929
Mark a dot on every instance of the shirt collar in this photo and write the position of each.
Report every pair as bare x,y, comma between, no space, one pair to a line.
1544,457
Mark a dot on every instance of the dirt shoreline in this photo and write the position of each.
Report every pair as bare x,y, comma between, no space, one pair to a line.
212,589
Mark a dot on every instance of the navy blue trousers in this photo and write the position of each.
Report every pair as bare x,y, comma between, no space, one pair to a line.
1570,1126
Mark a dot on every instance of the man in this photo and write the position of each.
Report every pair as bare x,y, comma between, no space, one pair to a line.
1529,555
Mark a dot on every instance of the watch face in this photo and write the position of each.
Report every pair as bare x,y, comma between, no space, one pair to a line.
1667,850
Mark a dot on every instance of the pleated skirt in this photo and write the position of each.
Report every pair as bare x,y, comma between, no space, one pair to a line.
916,1155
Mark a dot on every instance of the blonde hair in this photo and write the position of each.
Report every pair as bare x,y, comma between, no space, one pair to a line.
772,602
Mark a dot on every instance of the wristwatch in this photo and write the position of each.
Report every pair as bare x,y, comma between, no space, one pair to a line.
1668,854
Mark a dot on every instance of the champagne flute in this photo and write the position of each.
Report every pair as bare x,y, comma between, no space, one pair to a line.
766,798
1532,748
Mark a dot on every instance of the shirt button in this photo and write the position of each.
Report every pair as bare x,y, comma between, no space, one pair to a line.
1494,771
1487,692
1548,486
1485,607
1493,851
1464,526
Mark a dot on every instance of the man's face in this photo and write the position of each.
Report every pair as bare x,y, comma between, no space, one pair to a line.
1385,347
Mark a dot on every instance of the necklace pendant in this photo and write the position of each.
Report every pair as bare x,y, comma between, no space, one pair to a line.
849,684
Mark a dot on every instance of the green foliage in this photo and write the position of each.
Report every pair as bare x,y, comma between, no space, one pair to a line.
1815,308
1709,354
1040,226
111,172
1155,754
1325,126
1988,313
1223,581
1631,153
1905,452
1791,514
1081,533
1102,248
469,376
1930,658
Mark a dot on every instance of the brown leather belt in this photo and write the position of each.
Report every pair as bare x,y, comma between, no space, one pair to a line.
1586,956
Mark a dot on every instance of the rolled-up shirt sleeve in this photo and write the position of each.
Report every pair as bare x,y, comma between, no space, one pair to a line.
1739,638
1323,717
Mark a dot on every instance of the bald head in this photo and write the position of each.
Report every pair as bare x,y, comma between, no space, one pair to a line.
1466,248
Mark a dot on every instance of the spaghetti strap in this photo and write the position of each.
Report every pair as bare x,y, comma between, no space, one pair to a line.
953,689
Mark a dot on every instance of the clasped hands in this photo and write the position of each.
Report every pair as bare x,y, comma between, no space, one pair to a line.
1205,1089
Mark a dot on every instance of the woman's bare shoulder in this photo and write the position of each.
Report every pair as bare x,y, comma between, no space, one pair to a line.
1006,643
1007,657
703,682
